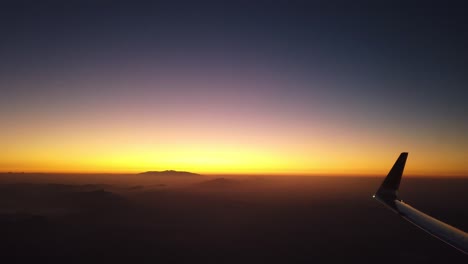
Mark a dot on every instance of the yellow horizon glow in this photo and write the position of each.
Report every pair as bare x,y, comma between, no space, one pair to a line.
216,158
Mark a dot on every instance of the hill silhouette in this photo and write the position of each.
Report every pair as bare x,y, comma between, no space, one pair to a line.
169,173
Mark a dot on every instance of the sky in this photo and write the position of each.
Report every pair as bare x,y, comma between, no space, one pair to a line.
240,87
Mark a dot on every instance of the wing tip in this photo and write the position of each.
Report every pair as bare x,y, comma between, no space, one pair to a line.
388,191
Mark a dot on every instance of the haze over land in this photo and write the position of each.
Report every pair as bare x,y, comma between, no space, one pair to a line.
222,220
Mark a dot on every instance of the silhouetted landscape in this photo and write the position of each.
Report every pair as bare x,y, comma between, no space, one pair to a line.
171,173
208,219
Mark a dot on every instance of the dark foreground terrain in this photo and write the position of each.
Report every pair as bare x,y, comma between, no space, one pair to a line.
221,220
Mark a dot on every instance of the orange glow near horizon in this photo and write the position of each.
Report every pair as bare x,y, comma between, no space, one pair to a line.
265,148
244,127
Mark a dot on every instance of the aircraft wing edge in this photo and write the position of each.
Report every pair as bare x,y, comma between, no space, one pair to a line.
388,195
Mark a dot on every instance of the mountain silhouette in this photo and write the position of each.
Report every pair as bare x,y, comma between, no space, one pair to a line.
169,173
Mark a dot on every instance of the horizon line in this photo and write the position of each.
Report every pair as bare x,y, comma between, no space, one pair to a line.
412,175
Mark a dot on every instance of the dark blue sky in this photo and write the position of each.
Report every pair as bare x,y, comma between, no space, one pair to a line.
419,45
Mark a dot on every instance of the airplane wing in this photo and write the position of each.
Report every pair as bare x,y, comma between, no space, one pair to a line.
388,195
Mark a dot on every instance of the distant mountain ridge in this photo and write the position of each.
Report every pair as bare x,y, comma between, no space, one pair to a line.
169,173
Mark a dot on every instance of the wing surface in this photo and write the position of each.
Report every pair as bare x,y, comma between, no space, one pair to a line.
388,195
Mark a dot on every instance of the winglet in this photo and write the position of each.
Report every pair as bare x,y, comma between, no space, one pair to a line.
388,191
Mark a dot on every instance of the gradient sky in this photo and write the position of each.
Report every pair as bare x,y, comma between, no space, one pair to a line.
288,87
